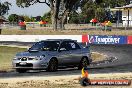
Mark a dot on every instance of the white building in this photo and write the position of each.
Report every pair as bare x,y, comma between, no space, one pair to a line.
126,15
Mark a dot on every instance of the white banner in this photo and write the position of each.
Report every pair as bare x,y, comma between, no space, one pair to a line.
36,38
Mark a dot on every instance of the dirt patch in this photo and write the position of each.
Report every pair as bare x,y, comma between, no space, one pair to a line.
70,81
36,84
96,56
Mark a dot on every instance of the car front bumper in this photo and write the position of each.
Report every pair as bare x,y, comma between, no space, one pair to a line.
29,65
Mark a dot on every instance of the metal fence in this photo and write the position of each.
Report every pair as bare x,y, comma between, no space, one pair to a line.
7,25
36,25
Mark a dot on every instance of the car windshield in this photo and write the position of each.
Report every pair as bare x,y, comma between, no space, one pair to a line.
45,46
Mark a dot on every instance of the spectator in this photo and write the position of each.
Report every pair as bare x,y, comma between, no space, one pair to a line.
94,21
107,25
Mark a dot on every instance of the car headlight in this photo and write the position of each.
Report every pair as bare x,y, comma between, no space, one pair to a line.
15,58
43,56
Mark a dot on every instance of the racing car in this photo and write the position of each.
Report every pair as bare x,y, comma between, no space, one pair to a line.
52,54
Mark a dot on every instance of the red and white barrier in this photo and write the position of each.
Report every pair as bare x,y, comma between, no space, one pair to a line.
79,38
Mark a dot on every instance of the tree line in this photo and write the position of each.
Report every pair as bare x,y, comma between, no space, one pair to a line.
62,9
14,18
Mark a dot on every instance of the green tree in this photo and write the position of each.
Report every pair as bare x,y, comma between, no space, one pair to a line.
4,7
26,18
59,9
32,19
13,18
74,17
98,8
47,17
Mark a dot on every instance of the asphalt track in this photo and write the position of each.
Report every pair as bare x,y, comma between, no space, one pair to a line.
121,63
121,53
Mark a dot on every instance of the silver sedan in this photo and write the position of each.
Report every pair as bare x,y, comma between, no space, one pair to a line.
51,55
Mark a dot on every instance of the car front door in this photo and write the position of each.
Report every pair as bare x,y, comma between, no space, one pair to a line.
64,54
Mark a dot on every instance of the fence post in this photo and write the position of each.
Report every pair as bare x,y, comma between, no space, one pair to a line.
0,31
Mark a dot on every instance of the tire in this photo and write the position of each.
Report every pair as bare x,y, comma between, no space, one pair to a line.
53,65
21,70
83,63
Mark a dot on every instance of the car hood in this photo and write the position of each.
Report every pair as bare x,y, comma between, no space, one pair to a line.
39,53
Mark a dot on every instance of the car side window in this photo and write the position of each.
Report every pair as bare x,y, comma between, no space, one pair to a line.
64,46
74,46
69,45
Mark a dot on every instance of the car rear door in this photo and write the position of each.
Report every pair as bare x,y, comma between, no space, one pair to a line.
75,55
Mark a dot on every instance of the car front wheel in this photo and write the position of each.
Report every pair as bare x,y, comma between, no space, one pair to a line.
21,70
52,65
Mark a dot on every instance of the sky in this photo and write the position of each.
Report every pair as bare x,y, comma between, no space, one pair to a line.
34,10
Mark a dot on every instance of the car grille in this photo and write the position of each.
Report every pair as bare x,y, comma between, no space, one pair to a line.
30,58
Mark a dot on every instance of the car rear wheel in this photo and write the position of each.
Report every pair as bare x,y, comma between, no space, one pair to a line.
21,70
83,63
53,65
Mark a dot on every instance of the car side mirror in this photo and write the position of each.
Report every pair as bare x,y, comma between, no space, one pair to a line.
28,49
88,46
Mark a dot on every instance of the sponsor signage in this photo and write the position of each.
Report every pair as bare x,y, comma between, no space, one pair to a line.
86,81
129,40
105,39
84,38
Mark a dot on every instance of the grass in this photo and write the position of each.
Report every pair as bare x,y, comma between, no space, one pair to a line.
7,53
6,56
64,32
